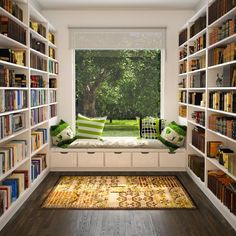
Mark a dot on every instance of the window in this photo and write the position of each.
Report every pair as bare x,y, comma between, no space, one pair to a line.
119,84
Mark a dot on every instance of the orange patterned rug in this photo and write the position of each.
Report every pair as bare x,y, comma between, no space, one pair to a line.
118,192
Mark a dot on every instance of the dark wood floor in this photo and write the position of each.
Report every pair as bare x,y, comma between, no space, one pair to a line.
32,220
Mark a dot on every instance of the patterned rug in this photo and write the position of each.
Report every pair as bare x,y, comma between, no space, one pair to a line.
118,192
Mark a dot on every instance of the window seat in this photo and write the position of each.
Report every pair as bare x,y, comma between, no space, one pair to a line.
117,154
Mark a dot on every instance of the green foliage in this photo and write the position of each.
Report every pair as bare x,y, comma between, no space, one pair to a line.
122,84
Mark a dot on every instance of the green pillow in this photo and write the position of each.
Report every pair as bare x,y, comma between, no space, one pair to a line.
150,127
173,136
61,132
90,127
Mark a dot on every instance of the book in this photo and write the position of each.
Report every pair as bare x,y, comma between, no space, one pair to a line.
213,148
13,183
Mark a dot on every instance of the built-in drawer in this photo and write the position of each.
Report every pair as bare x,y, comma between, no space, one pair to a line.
90,159
145,159
64,159
177,159
117,159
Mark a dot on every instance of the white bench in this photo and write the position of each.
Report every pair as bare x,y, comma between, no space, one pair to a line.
117,159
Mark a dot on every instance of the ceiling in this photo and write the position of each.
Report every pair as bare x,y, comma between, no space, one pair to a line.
134,4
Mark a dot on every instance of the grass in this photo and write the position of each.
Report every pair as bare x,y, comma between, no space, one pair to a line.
121,128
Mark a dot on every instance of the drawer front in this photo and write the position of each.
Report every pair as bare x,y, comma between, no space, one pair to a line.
90,159
64,159
118,159
172,160
145,159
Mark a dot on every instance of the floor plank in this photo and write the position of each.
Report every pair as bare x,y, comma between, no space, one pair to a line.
31,220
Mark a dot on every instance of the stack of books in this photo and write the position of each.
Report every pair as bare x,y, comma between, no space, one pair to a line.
197,165
38,164
38,97
198,138
37,81
13,8
183,36
11,154
39,137
38,115
38,62
53,67
38,27
198,26
37,45
13,56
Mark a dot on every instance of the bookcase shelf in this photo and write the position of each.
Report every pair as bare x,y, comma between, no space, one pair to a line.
224,41
11,43
12,65
14,168
16,20
211,73
40,80
223,18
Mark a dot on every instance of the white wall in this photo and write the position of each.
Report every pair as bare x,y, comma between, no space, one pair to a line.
173,20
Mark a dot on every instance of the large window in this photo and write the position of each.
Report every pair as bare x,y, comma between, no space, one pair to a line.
119,84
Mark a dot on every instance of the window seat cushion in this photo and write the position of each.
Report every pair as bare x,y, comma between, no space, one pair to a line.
117,142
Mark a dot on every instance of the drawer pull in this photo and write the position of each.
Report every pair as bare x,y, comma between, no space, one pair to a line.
91,152
64,152
117,152
145,152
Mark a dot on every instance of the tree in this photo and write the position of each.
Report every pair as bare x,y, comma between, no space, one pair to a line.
120,84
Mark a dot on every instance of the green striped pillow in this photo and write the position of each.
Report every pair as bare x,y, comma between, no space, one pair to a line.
90,127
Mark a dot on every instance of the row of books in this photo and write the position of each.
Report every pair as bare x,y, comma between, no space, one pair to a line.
197,165
222,54
218,8
213,148
198,138
37,81
182,83
38,27
38,164
183,111
183,52
13,8
198,44
37,45
51,37
183,36
196,64
52,67
8,78
11,124
199,117
38,115
11,100
197,98
224,101
52,53
183,67
13,56
223,124
227,29
12,153
52,96
198,80
224,188
12,30
38,97
39,137
53,111
12,187
183,96
52,83
38,62
198,26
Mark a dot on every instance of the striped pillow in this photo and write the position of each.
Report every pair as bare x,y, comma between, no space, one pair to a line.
90,127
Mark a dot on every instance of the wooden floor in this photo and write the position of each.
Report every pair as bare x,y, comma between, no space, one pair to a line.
32,220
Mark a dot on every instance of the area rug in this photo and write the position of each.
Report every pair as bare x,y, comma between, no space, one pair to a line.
118,192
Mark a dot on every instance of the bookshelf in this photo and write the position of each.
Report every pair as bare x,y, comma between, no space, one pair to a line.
33,73
208,54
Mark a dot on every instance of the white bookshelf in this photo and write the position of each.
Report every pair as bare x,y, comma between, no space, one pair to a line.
30,13
210,86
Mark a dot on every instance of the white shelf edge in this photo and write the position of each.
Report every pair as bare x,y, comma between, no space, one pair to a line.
38,150
197,150
13,112
7,138
221,135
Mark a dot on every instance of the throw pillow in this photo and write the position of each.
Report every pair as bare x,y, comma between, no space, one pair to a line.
61,132
173,136
90,127
150,127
